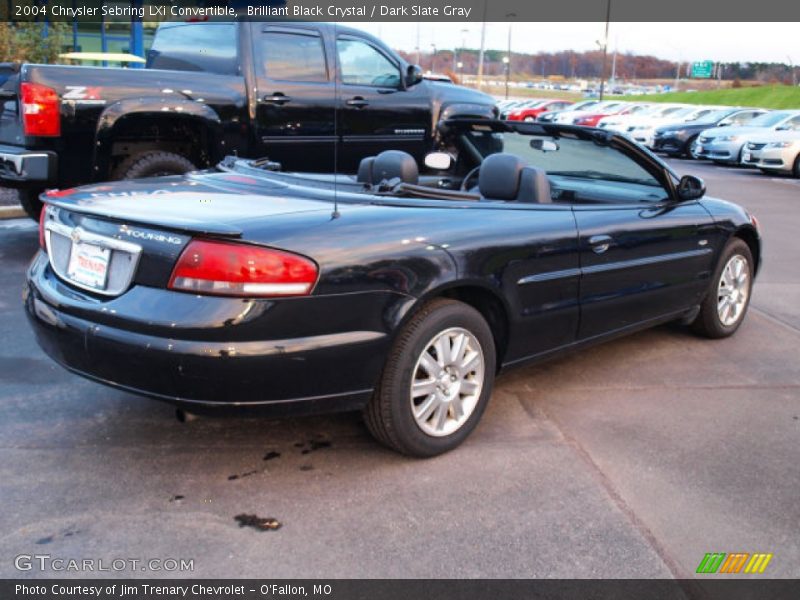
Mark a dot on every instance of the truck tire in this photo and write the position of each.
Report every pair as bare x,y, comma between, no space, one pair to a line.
427,404
153,163
29,199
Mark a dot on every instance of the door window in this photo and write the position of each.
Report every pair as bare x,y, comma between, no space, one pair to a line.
362,64
293,57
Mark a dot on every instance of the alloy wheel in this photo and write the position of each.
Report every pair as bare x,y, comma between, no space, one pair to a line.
447,381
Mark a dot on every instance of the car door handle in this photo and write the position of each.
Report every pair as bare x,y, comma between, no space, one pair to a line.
600,243
277,99
358,102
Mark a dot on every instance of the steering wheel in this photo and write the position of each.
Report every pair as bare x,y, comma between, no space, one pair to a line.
471,175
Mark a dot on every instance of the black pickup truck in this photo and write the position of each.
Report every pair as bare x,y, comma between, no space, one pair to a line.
312,96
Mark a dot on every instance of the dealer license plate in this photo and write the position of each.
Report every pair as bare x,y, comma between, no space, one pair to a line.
88,265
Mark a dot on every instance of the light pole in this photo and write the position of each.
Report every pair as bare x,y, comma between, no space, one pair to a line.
605,51
433,58
460,66
507,64
507,59
794,73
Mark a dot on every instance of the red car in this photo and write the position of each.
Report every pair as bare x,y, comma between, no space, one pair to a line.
530,114
620,108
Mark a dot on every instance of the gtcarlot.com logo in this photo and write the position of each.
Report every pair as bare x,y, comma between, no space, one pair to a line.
735,562
47,562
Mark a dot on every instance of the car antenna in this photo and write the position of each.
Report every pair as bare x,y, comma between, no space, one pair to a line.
335,214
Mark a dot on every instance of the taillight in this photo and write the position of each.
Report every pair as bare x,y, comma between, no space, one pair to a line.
42,219
231,269
41,109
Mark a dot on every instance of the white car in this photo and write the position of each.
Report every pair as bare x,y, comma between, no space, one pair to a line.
773,152
569,117
621,123
643,131
726,144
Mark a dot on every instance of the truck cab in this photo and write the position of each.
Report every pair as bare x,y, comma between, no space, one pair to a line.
311,96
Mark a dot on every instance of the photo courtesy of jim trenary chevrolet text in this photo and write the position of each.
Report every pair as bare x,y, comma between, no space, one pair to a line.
457,299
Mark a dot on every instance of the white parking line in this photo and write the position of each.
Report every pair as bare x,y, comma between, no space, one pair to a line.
23,224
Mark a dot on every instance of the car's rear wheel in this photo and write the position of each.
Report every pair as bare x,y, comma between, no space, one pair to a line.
29,200
437,380
153,164
728,297
796,168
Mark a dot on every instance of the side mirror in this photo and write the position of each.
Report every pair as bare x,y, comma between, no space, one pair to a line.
439,161
724,123
783,128
413,75
691,188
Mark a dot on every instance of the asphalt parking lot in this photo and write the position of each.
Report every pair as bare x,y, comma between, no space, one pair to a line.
631,459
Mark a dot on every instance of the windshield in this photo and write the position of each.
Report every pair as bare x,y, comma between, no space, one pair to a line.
713,117
769,119
565,155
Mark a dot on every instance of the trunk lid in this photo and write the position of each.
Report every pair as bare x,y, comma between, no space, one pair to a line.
104,238
220,204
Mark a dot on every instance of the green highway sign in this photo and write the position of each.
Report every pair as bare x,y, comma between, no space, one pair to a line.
703,69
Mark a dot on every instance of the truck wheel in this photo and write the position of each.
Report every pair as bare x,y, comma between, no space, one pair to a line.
155,163
29,199
728,296
437,381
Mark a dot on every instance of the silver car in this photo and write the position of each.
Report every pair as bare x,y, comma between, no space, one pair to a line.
725,144
774,152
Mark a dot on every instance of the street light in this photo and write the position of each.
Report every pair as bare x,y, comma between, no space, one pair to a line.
507,64
605,51
433,58
460,66
507,58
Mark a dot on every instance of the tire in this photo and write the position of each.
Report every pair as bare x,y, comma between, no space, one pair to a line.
29,199
687,147
154,163
796,167
713,321
390,415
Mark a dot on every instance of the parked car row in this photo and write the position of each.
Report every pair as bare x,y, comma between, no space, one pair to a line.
757,137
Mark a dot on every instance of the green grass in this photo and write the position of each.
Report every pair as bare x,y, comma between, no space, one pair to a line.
767,96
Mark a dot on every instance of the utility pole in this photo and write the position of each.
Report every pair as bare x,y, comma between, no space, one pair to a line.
483,47
605,51
507,59
417,46
614,62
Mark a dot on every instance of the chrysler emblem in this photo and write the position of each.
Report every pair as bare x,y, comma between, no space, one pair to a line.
76,235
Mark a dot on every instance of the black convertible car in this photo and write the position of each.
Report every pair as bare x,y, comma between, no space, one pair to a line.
389,291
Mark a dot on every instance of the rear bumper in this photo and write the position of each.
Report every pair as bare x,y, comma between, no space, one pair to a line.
20,166
333,370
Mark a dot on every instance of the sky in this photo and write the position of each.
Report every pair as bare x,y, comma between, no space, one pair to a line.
726,42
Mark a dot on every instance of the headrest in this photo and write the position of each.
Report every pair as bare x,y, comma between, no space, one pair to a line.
389,164
499,176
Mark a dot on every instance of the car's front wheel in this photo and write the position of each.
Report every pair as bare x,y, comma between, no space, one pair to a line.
728,297
437,380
